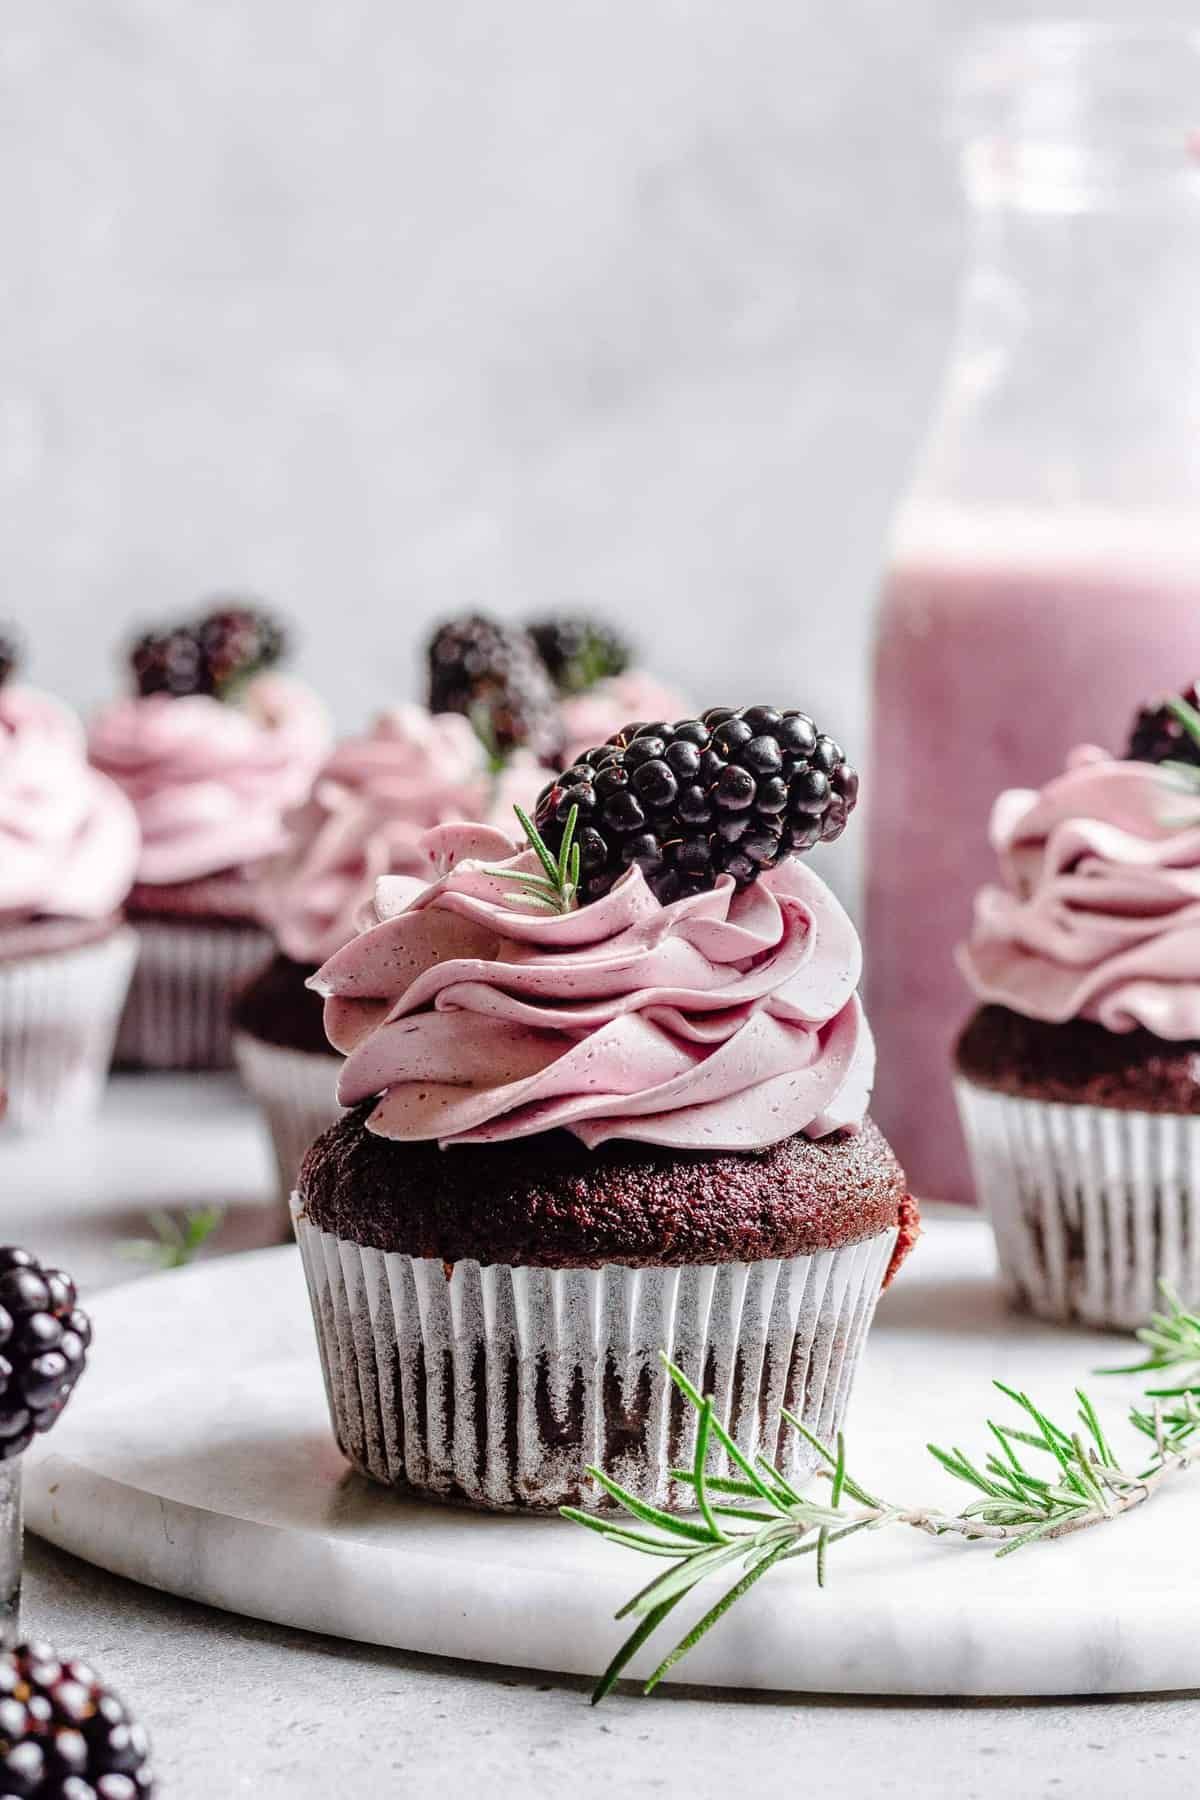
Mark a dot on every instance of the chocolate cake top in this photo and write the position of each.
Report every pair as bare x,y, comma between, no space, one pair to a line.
548,1201
1080,1062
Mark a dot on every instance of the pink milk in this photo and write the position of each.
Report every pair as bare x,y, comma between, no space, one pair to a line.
1000,645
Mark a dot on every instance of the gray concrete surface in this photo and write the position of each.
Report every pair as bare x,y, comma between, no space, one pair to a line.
241,1708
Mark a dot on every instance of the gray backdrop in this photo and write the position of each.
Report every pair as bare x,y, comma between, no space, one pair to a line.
390,307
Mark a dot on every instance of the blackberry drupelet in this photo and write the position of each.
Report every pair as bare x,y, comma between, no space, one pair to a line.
44,1338
170,662
579,651
730,793
63,1735
493,675
239,642
10,653
1158,736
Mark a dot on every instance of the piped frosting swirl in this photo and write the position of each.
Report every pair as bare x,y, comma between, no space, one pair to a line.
68,836
1097,914
370,807
727,1020
211,782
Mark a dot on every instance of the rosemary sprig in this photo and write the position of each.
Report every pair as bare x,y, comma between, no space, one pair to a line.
557,888
755,1519
176,1238
1171,1340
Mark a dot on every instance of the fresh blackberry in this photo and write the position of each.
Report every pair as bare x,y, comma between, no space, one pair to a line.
10,653
1158,736
63,1735
493,675
170,662
731,793
579,651
238,642
44,1338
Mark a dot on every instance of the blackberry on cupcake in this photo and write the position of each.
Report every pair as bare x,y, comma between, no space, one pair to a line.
1160,735
492,674
730,793
579,651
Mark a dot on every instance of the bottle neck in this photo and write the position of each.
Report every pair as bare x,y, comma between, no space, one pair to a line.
1075,374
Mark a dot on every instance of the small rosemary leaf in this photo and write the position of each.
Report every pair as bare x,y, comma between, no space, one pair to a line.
835,1537
685,1575
1187,715
854,1488
743,1512
564,849
703,1428
723,1438
766,1467
617,1534
1029,1537
720,1484
651,1515
822,1551
1091,1419
839,1474
629,1650
535,839
712,1617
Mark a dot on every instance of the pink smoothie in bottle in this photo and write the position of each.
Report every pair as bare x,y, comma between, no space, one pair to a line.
1002,641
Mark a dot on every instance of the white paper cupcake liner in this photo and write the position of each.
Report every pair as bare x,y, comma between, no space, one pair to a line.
297,1091
1092,1206
58,1020
497,1386
178,1012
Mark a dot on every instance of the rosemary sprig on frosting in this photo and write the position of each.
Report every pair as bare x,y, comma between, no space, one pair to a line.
746,1524
557,889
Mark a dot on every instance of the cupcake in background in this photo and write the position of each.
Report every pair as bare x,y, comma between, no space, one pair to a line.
370,806
1078,1076
68,851
212,750
600,1114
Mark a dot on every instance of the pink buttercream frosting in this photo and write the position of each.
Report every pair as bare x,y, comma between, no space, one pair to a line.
68,836
728,1020
370,807
592,718
211,782
1098,913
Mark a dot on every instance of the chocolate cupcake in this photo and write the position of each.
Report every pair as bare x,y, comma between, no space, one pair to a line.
370,805
1078,1077
212,752
593,1118
68,848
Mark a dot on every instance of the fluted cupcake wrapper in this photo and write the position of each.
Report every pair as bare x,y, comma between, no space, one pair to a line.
297,1091
1092,1206
498,1386
178,1012
58,1020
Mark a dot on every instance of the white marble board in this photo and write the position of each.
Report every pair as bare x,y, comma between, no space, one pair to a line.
197,1458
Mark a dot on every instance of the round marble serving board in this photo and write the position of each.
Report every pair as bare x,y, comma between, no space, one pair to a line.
197,1458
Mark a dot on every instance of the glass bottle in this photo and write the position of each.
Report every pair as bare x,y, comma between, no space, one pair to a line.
1044,571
